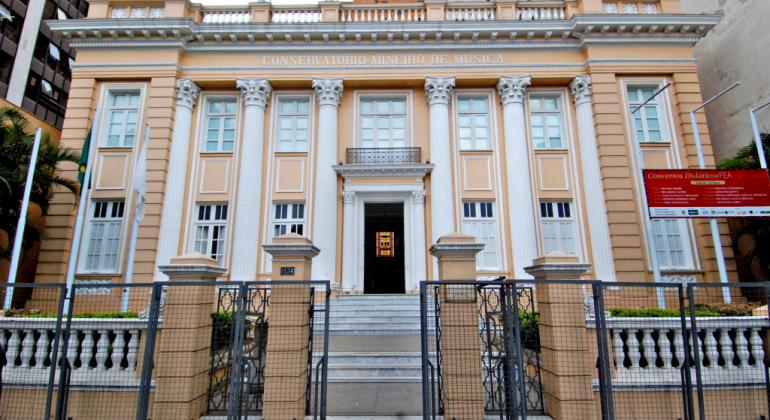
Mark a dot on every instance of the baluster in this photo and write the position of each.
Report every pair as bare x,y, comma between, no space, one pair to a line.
711,349
491,14
742,348
27,348
665,349
55,360
117,350
726,346
756,348
88,350
355,15
13,348
561,13
342,16
649,349
101,349
3,340
42,349
133,349
369,15
422,15
390,18
679,347
695,345
617,350
518,14
548,15
633,348
72,348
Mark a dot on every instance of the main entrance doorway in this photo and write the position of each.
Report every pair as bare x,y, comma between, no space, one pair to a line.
384,265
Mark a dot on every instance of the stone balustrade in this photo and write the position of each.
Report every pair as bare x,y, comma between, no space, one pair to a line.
226,16
655,346
464,14
293,15
529,12
392,13
96,345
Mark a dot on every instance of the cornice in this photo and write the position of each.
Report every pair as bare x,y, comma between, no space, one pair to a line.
384,171
579,32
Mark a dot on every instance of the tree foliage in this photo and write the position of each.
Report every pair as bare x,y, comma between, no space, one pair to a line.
17,137
754,229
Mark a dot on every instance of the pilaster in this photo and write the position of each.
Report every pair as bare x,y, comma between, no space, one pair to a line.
349,241
419,265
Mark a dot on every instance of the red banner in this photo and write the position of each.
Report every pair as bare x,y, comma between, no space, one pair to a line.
689,193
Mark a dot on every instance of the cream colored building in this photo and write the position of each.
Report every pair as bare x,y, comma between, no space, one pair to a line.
506,120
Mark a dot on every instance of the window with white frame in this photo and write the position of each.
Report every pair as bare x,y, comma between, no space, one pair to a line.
558,227
288,218
220,124
647,120
479,221
473,123
293,124
383,122
123,112
104,236
211,231
546,116
669,243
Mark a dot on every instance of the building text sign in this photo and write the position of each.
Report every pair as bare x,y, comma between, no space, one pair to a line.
380,60
707,193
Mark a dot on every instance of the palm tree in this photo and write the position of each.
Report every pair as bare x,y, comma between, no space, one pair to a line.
752,234
16,142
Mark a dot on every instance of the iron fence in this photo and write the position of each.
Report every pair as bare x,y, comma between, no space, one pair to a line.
391,155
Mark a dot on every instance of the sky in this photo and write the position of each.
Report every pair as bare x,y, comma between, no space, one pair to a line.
245,2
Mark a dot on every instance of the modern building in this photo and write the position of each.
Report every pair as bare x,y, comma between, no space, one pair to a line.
374,129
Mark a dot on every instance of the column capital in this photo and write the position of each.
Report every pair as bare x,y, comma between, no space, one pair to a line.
328,91
512,88
348,197
419,196
186,92
439,89
581,89
254,91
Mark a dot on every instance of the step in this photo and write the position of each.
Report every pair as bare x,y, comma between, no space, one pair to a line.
347,358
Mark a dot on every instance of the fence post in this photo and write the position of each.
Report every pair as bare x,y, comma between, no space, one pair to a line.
567,361
288,329
183,352
460,341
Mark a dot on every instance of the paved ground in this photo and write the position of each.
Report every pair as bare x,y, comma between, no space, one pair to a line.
375,399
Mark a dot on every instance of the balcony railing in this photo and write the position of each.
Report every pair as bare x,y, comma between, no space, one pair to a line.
395,155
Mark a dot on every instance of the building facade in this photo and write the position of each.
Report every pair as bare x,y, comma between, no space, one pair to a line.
373,130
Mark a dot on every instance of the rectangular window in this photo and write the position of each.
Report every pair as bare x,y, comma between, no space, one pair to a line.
220,125
473,123
123,112
479,221
288,218
558,227
293,124
210,231
647,120
104,236
545,116
669,243
383,123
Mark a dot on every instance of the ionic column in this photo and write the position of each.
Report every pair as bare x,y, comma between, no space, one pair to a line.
598,227
349,241
176,183
255,94
439,93
520,206
328,93
418,263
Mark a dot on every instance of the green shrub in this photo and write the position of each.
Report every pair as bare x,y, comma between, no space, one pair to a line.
92,315
661,313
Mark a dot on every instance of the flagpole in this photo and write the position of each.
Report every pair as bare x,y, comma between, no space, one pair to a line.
22,221
78,233
134,227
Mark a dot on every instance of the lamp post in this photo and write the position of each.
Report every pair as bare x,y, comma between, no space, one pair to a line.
714,227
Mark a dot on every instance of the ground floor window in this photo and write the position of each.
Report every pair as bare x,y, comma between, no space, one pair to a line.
104,236
479,221
211,231
288,218
558,227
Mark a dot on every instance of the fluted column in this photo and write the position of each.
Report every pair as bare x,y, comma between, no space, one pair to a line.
176,183
439,93
255,94
520,205
349,241
328,93
598,228
418,262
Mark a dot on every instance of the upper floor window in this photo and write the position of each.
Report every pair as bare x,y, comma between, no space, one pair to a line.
545,115
289,218
123,114
647,120
220,125
473,123
479,221
383,122
557,227
211,230
104,236
294,124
